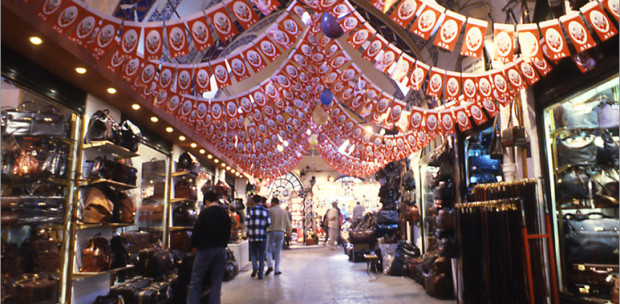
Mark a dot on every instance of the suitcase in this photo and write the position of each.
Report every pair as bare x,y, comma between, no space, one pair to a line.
592,279
128,289
156,293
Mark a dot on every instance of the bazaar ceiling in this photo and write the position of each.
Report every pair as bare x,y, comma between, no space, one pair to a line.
261,82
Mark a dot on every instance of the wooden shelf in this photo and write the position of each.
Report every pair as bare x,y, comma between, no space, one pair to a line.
185,174
121,186
103,225
81,275
181,199
177,228
109,147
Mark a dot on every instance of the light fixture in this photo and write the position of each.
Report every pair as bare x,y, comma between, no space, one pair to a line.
331,179
216,160
223,164
368,129
232,170
280,148
80,70
35,40
285,143
169,129
135,106
193,145
112,90
209,156
228,168
202,151
182,138
154,119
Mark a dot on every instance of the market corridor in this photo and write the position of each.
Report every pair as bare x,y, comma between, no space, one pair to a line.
319,275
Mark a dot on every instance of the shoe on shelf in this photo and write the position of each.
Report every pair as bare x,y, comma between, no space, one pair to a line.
253,273
277,273
269,270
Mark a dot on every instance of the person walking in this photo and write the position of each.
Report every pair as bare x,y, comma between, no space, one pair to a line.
358,212
333,219
280,226
209,239
257,221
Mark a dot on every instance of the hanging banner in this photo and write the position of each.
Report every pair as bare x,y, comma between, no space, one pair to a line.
106,35
222,78
576,29
130,37
86,24
67,16
166,75
280,37
185,75
297,8
469,87
172,104
513,76
485,87
528,72
48,9
244,14
431,122
476,113
160,98
449,30
222,23
185,111
418,75
386,58
203,77
503,41
554,39
446,127
266,6
415,118
404,12
340,10
529,41
201,35
115,61
430,14
269,50
330,50
216,111
130,69
255,60
153,32
612,7
147,74
339,60
177,38
402,67
491,108
453,86
542,66
462,119
238,67
360,36
599,20
435,82
350,22
396,111
500,86
291,27
474,38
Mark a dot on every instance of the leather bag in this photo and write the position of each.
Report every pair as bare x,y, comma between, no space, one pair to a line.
577,150
183,215
97,207
154,294
439,285
154,262
387,217
592,279
606,193
126,208
120,256
11,260
97,256
130,136
151,213
496,150
591,238
232,266
445,219
412,213
185,189
574,184
514,135
181,240
136,240
447,247
362,236
26,164
128,289
102,126
607,155
609,115
21,122
37,289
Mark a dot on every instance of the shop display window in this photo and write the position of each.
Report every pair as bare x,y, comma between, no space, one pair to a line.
480,167
581,142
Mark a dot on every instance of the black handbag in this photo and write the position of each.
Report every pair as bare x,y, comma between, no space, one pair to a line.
576,150
183,215
103,127
580,115
387,217
496,150
607,155
606,190
186,163
130,136
33,122
591,238
574,184
442,158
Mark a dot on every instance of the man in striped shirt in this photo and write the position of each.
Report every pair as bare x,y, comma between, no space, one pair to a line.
257,222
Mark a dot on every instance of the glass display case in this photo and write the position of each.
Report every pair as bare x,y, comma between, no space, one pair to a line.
581,146
480,168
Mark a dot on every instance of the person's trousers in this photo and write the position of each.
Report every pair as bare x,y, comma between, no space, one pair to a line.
334,232
207,262
275,240
257,254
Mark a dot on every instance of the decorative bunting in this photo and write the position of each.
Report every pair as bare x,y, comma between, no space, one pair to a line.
429,16
386,58
435,82
177,38
222,78
238,67
403,66
106,35
153,32
201,36
244,14
269,50
255,60
350,22
554,39
474,37
184,79
476,113
360,36
203,78
529,41
576,29
67,16
404,12
222,23
449,31
453,86
599,20
612,7
417,76
86,25
503,38
48,9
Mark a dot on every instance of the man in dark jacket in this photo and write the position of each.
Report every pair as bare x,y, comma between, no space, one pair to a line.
210,237
257,221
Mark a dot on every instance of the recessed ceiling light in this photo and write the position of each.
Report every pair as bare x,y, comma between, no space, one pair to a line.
202,151
169,129
223,164
216,160
193,145
181,138
80,70
228,168
112,90
135,106
232,170
35,40
154,119
209,156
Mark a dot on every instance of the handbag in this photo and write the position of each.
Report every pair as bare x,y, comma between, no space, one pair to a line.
443,158
130,136
102,126
608,115
26,164
574,184
447,248
514,136
151,213
97,256
136,240
591,238
412,213
185,189
97,207
187,163
183,215
607,155
55,164
445,219
362,236
154,261
582,115
592,279
23,121
387,217
181,240
153,168
576,150
120,256
124,208
37,289
232,266
606,193
496,150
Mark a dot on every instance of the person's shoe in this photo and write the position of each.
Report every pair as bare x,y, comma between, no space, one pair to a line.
277,273
253,273
260,277
269,270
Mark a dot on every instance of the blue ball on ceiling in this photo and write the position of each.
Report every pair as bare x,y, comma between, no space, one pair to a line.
326,97
330,27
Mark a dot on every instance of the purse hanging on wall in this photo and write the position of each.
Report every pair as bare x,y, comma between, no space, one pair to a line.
496,150
514,136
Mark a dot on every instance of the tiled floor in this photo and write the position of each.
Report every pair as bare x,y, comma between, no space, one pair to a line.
319,275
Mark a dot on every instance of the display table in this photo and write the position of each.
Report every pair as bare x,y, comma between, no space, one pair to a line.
241,251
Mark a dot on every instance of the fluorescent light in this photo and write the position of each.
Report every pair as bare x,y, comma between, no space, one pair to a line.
135,106
112,90
80,70
154,119
169,129
35,40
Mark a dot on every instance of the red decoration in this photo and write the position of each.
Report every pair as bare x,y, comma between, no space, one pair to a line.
222,78
417,76
404,12
67,15
222,23
244,14
360,36
255,60
449,30
576,29
503,40
177,38
474,37
435,82
185,75
268,48
238,67
453,86
554,40
601,24
529,41
203,39
430,14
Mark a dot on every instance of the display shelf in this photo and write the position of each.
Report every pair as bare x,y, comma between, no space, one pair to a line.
184,174
81,275
119,185
182,199
103,225
177,228
110,147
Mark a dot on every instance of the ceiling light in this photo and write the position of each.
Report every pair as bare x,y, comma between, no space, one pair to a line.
232,170
280,148
202,151
216,160
237,174
331,179
154,119
209,156
135,106
112,90
228,168
285,143
36,40
193,145
368,129
80,70
182,138
169,129
223,164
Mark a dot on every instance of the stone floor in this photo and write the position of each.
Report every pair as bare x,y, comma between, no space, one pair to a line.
319,275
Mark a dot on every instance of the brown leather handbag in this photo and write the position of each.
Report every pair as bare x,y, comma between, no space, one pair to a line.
36,289
439,285
615,292
97,207
445,219
181,240
151,213
26,164
126,208
97,256
136,240
154,261
185,189
361,236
